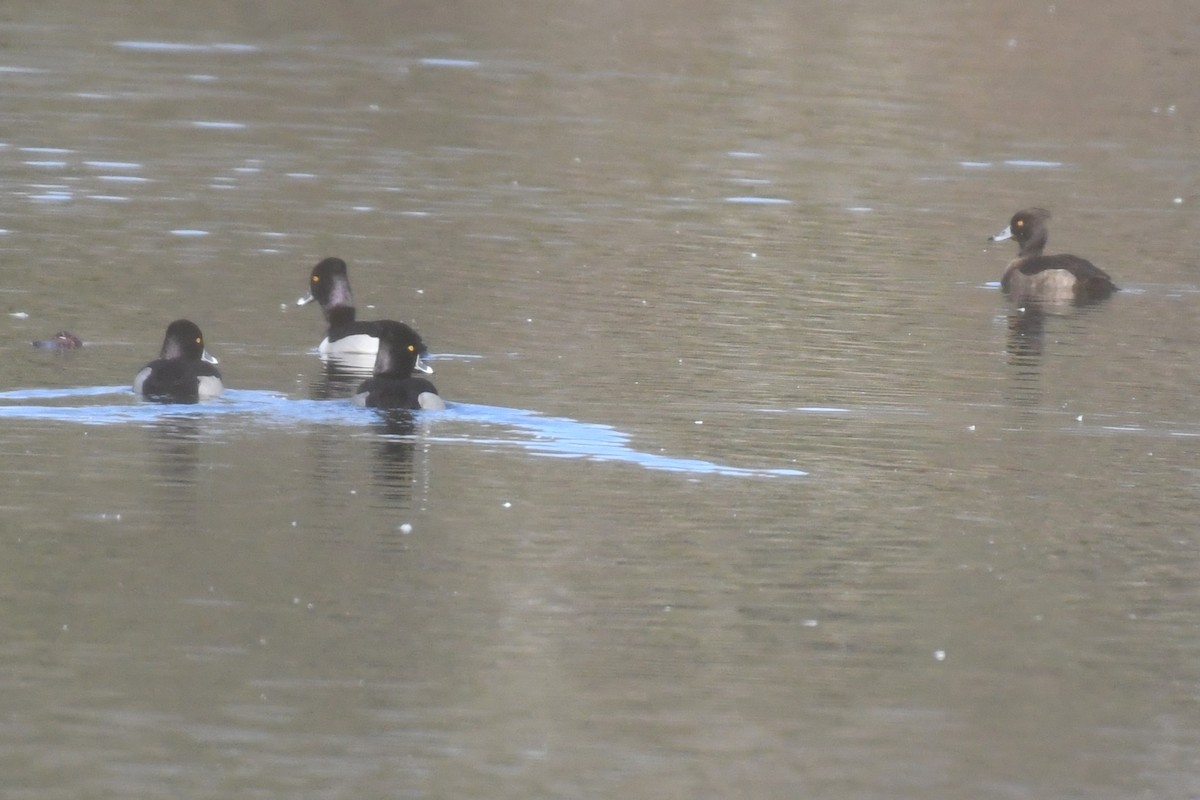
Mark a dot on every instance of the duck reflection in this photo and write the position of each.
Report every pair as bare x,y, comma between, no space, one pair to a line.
1028,324
176,448
1026,333
1026,343
383,463
340,376
396,477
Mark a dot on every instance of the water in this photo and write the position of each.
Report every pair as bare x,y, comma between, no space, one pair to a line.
547,436
751,482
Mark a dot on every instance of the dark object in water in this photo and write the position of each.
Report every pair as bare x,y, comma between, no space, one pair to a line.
1055,279
63,340
184,371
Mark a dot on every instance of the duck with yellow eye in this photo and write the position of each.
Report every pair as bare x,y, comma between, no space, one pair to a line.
393,385
1061,278
346,337
184,371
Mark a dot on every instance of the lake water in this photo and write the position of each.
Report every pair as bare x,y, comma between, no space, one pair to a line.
752,483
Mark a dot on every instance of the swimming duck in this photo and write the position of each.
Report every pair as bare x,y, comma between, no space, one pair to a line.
393,385
1055,278
184,371
329,285
63,340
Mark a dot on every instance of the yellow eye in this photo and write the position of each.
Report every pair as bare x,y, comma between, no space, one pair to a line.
1020,223
316,278
199,340
411,348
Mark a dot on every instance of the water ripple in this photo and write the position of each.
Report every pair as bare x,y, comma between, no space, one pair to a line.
554,437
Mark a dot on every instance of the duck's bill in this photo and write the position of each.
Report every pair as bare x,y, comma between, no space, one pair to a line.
209,357
421,366
1002,235
305,300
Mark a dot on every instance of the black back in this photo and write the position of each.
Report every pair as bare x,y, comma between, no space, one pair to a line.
176,380
175,375
393,392
393,385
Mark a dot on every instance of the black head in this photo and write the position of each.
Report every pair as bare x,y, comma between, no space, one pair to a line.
399,349
329,285
1028,228
185,341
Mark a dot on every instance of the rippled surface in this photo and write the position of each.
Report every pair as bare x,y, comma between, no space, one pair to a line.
548,436
751,483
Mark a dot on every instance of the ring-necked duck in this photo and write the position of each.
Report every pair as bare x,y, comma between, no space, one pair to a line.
329,285
393,385
183,371
1056,278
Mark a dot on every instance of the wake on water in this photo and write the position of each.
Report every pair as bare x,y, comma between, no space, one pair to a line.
557,437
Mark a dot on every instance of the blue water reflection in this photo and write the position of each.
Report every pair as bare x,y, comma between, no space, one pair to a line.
556,437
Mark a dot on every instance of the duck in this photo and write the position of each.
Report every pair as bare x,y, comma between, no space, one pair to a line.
1058,278
184,372
392,384
329,285
63,340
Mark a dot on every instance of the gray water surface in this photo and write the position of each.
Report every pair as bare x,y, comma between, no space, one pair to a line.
752,483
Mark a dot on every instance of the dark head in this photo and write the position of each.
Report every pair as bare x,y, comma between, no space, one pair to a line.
400,349
1028,229
185,341
329,285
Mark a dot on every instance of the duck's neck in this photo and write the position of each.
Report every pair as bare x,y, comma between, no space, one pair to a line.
1034,245
337,316
387,363
339,304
